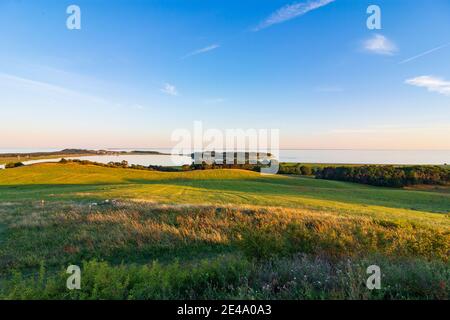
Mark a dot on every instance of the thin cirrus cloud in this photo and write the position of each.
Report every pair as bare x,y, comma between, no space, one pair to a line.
169,89
29,85
379,44
291,11
425,53
202,50
431,83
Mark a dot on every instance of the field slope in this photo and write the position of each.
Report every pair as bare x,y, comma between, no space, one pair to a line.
229,224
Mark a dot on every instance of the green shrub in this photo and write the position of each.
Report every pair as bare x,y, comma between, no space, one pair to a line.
306,171
13,165
235,277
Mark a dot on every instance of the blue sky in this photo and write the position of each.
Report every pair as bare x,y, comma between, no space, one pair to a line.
137,70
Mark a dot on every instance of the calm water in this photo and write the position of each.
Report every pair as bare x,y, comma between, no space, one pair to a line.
367,156
144,160
354,156
305,156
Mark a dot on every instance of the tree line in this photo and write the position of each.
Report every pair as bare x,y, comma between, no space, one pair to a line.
387,176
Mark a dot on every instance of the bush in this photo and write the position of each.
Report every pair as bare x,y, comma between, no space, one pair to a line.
99,280
13,165
288,169
306,171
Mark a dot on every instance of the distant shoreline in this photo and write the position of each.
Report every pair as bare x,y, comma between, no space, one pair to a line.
323,157
67,153
78,152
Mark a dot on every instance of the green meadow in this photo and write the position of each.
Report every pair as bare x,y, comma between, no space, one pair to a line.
141,234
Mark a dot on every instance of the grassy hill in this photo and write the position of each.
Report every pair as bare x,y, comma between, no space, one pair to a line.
210,230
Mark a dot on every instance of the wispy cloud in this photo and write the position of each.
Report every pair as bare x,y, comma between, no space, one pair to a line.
425,53
202,50
291,11
431,83
169,89
41,86
379,44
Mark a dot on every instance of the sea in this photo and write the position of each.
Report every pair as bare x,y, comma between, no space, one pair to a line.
323,156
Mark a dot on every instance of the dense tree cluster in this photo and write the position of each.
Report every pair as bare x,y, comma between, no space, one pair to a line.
211,166
295,169
230,158
161,168
13,165
387,176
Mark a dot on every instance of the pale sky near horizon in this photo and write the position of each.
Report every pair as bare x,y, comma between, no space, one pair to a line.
138,70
